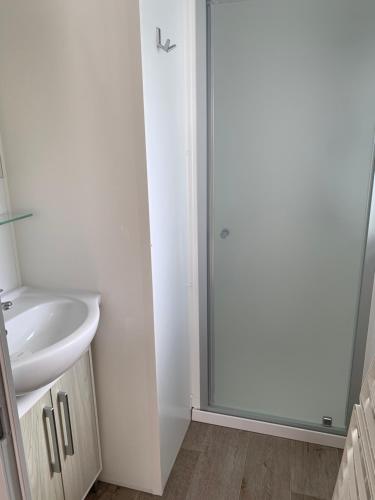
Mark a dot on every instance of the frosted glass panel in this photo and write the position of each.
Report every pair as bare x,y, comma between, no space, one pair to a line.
293,106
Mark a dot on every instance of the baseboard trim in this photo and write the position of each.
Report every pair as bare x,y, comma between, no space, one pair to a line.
278,430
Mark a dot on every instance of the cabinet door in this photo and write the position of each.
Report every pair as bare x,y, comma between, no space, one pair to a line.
74,401
41,451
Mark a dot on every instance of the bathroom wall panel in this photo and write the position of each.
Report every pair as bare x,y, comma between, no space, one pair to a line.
71,114
370,344
9,277
9,272
166,120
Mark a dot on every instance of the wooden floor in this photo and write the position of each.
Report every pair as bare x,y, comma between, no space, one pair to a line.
216,463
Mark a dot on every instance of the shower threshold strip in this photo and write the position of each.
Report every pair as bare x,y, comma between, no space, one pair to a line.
271,429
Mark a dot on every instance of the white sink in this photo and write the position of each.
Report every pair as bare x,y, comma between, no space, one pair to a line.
47,332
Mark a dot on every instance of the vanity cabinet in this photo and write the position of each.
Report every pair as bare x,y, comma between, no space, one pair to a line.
60,437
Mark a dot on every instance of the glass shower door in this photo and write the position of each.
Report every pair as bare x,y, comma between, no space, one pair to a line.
292,116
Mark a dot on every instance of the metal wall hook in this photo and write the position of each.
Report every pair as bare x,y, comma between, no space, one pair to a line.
167,47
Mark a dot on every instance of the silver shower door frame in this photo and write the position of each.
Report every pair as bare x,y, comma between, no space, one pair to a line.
204,141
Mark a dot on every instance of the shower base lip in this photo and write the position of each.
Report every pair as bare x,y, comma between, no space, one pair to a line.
271,429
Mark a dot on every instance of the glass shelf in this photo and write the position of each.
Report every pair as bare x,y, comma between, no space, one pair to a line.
12,217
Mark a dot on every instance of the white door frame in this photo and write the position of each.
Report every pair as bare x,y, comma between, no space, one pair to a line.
197,98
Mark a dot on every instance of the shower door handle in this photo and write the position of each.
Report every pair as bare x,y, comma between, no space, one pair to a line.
224,233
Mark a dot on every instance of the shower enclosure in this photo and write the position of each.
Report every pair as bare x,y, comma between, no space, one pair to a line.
291,120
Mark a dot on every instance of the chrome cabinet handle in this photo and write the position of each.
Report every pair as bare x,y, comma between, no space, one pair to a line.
62,398
49,414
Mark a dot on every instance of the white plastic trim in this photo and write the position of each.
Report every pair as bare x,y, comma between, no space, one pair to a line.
268,428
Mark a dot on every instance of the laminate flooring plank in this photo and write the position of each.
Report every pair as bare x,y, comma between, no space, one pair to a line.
297,496
197,436
180,479
267,473
219,470
217,463
314,469
125,494
104,491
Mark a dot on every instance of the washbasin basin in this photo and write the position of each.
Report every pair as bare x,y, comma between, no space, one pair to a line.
48,331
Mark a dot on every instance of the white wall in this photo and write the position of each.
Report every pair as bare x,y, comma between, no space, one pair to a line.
368,291
366,324
370,344
71,116
8,261
9,273
166,122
